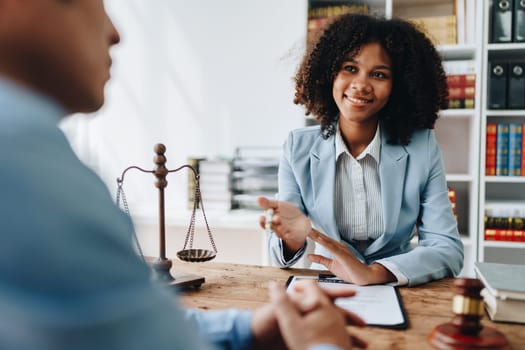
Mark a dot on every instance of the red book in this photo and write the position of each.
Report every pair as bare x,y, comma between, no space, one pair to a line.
454,80
519,236
458,92
495,234
490,234
490,150
523,150
503,234
452,198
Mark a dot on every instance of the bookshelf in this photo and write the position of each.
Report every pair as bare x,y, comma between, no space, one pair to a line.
497,188
465,160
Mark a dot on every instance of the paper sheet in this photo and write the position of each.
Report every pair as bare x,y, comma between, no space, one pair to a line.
378,305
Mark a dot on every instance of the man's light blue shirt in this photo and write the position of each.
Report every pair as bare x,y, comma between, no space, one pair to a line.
69,277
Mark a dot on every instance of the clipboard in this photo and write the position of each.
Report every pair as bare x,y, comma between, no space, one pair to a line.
379,305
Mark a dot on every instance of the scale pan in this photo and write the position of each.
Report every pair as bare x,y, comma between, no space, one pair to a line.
195,255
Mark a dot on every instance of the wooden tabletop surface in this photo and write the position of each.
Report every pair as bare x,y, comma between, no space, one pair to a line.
245,287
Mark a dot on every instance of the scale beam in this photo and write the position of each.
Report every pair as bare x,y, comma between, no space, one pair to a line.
161,265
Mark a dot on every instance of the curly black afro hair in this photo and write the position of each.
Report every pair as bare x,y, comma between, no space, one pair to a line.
419,88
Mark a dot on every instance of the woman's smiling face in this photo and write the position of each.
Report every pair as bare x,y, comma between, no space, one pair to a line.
363,85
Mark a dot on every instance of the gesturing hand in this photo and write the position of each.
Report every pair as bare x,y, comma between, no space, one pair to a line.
345,265
288,222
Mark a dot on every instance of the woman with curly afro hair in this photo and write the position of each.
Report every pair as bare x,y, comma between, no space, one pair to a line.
362,183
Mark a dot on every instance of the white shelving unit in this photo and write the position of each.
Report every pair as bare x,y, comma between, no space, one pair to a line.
498,187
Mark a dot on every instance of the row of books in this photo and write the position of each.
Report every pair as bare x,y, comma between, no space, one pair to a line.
502,234
451,29
504,292
321,13
504,220
504,149
458,27
508,21
461,81
324,9
506,85
440,29
461,90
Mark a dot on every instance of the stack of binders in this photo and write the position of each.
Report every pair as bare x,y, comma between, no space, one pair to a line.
508,21
254,174
215,183
506,85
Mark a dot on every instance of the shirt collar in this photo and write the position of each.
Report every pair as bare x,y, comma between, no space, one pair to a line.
373,148
21,102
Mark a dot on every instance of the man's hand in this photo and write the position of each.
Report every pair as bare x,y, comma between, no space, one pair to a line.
305,298
308,317
288,223
345,265
265,330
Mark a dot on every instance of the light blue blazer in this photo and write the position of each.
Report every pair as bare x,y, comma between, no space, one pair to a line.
414,194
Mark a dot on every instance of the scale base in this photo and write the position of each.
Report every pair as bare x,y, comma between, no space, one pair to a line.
161,273
186,280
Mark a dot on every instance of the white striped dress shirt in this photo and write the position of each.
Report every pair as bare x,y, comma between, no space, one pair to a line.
358,206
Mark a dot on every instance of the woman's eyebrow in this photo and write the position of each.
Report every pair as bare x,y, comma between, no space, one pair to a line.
379,66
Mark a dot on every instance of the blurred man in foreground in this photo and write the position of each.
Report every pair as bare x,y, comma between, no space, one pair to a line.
69,277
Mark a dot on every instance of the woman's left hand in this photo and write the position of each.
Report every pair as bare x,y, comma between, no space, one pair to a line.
345,265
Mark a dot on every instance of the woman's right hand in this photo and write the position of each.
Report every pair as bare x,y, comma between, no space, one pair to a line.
287,222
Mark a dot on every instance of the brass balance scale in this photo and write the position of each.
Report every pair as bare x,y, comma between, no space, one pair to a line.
161,265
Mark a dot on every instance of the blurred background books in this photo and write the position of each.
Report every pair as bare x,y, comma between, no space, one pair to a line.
254,174
235,183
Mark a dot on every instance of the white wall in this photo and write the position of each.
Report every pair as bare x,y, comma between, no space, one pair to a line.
202,77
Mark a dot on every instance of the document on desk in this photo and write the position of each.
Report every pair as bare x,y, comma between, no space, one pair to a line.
378,305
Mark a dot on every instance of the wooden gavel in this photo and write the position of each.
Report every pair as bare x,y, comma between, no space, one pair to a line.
465,331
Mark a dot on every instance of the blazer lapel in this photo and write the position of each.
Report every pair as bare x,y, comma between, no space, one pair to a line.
322,170
392,169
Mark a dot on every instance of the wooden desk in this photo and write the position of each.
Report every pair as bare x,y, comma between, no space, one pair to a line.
244,287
